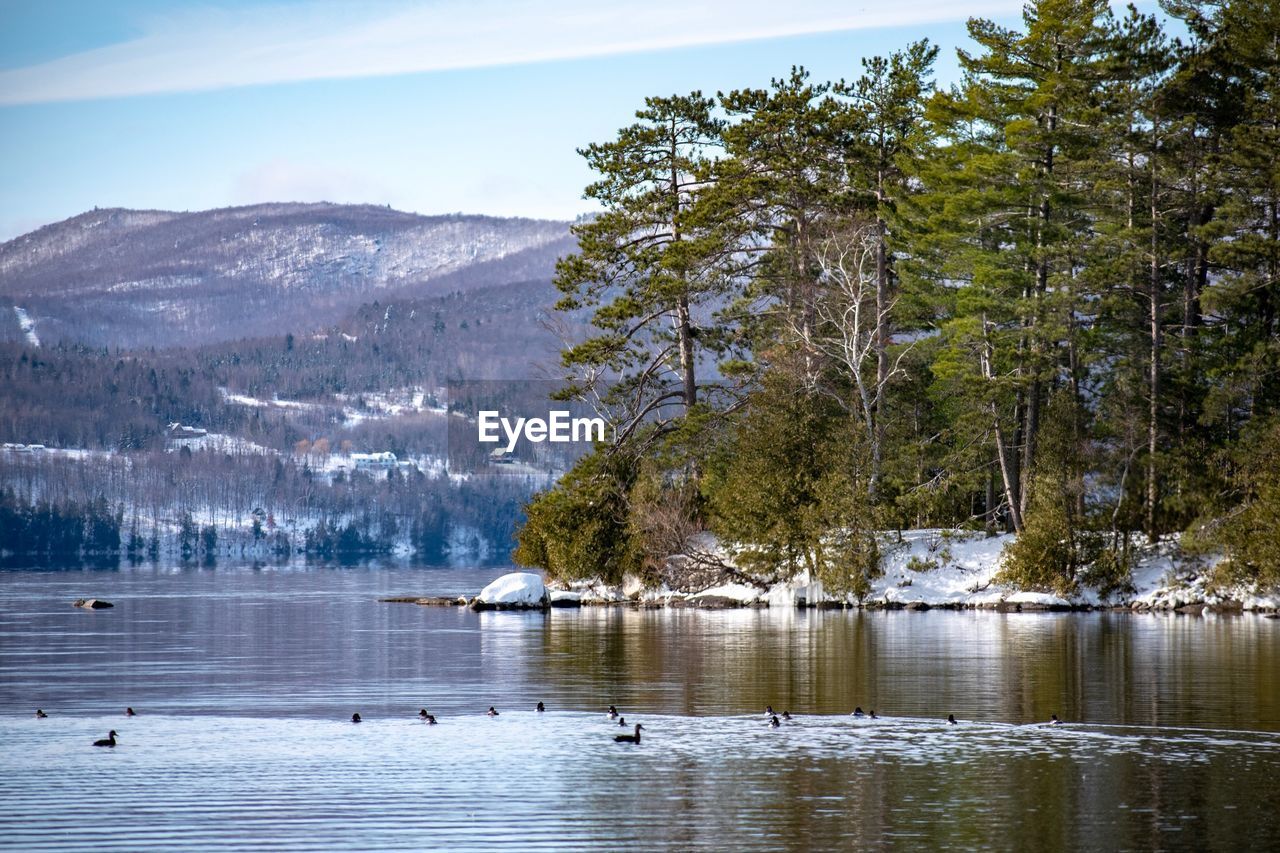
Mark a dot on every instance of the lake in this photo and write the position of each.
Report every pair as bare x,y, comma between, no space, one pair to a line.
245,679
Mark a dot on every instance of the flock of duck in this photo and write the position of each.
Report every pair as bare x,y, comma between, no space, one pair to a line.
775,720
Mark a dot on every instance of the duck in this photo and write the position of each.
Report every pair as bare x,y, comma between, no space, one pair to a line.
857,712
540,708
951,719
786,715
129,712
109,740
622,721
635,738
492,712
431,720
40,715
613,712
768,710
872,715
422,714
773,722
355,718
1054,721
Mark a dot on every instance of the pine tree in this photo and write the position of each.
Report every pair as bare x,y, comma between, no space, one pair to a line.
647,268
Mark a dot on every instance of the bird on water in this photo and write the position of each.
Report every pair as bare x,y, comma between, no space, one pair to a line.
773,722
541,708
40,715
951,719
768,710
1054,721
857,712
422,714
109,740
492,712
355,718
613,712
635,738
129,712
872,715
622,721
786,715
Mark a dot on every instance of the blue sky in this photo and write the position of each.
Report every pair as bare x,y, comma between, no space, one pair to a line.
431,106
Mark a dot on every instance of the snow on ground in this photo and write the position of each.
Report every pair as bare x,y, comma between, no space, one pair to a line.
936,568
245,400
27,325
232,445
518,589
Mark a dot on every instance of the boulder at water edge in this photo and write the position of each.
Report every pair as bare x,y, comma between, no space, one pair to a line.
516,591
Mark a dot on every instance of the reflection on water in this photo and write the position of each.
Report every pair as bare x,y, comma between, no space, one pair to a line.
244,681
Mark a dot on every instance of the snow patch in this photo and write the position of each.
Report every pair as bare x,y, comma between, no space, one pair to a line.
27,325
518,589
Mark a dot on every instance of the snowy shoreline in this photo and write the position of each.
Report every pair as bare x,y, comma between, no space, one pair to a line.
932,569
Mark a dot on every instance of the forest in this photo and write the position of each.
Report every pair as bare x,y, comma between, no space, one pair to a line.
1042,300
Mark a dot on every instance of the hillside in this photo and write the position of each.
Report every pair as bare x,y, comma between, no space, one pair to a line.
134,279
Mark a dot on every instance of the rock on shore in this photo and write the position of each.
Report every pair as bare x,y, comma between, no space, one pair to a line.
515,591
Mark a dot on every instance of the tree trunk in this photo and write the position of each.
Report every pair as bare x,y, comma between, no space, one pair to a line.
1007,475
1153,411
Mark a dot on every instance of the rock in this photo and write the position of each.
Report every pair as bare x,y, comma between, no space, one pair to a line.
427,601
1035,601
707,602
566,598
92,603
918,605
514,591
1190,609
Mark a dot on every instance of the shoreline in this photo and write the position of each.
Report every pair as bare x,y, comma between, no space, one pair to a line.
926,569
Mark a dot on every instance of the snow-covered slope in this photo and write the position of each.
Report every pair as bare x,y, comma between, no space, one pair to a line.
938,568
128,278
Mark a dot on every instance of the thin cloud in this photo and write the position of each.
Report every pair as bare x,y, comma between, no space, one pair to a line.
207,49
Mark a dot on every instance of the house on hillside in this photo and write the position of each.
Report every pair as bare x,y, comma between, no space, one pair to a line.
374,461
179,435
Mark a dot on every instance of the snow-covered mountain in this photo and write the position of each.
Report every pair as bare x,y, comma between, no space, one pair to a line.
127,278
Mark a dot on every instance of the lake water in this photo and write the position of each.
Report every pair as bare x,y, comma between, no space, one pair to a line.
245,681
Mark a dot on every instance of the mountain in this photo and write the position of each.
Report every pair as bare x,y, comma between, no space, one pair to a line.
135,279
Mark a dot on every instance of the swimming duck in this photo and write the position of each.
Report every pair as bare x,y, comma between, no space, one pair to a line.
355,718
541,708
491,712
431,721
622,721
613,712
40,715
773,722
1054,721
872,715
857,712
422,714
786,715
109,740
951,719
128,712
635,738
768,710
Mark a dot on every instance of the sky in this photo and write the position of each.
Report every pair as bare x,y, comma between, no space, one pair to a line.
434,106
